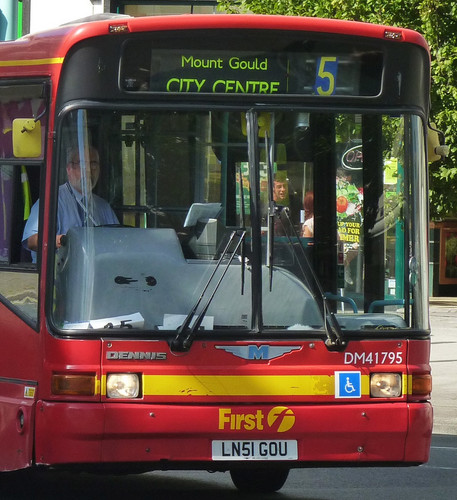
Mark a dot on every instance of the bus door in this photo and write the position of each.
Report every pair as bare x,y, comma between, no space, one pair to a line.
23,119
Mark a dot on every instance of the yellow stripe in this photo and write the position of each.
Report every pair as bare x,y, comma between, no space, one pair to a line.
31,62
254,385
229,385
407,384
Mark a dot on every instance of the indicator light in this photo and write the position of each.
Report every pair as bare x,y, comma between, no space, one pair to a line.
421,385
73,385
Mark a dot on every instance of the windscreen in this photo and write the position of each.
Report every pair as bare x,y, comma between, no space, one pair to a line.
228,222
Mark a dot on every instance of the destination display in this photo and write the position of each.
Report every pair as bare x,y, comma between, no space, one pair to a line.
186,71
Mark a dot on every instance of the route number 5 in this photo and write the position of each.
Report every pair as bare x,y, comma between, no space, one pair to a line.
327,68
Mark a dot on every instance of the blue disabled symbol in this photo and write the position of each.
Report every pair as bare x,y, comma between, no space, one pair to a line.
348,385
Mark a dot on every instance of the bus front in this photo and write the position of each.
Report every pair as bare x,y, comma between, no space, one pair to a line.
259,301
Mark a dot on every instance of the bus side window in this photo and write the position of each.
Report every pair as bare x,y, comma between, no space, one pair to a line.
18,281
23,110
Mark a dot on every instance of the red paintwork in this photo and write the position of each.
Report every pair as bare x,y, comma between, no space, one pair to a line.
76,432
313,359
16,449
62,430
181,428
56,43
19,364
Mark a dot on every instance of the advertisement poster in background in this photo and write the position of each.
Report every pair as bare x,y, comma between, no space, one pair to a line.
448,256
349,202
349,209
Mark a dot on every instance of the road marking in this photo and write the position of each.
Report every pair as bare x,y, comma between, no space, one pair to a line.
442,468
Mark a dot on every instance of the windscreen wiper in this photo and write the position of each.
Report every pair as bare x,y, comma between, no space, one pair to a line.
243,226
335,340
271,212
252,133
185,334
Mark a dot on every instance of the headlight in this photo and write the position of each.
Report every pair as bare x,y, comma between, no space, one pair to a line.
122,385
385,385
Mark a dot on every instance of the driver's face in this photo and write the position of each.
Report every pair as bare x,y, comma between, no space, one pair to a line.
92,166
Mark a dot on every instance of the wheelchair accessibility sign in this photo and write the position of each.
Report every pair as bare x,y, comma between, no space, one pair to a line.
348,385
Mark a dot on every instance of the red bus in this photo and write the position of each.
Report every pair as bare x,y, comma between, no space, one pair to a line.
214,246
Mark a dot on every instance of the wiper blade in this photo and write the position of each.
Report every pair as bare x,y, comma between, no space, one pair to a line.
335,340
271,212
184,337
252,131
243,226
202,314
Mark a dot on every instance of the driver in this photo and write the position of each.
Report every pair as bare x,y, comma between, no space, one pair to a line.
78,206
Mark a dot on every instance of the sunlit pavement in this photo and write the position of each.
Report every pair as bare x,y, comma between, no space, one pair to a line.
443,320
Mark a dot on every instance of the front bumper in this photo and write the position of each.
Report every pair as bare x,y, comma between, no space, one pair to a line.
180,436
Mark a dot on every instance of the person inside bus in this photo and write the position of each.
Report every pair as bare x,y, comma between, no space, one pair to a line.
72,210
308,225
281,199
280,192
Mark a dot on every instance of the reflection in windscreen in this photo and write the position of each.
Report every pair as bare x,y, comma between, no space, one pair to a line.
330,233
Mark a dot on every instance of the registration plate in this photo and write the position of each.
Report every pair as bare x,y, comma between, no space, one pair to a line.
255,450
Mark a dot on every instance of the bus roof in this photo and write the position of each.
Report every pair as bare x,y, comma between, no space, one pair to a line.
47,48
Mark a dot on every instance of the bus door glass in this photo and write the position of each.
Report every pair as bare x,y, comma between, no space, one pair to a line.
23,118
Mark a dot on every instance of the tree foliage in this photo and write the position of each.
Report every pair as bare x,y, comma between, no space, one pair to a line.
437,21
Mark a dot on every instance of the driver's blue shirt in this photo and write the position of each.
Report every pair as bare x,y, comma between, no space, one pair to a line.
68,215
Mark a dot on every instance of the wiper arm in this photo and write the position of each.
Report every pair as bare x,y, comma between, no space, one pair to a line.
243,226
252,130
335,340
184,337
202,314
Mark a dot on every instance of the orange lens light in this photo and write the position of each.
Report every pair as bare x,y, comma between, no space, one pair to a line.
421,385
73,385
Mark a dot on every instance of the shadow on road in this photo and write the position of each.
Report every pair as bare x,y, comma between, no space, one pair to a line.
311,484
51,484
